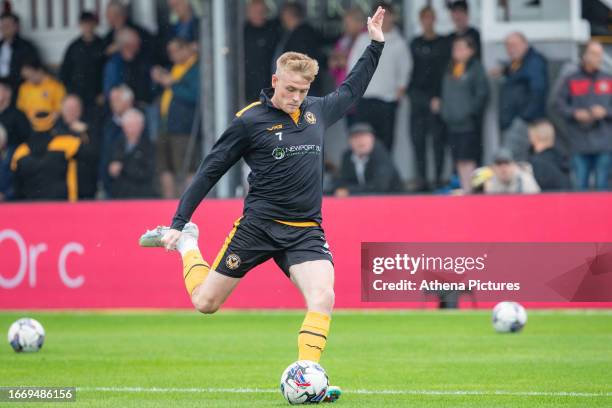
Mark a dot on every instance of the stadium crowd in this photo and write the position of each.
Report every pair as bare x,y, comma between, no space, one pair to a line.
116,121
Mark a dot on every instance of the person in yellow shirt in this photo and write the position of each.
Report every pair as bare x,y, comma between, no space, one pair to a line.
40,96
178,107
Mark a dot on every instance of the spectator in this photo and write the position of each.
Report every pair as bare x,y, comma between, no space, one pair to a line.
13,120
523,93
510,176
459,11
299,36
132,166
6,176
260,39
187,24
45,168
367,167
117,17
585,101
130,66
71,123
81,69
14,51
121,101
430,57
178,108
550,168
465,92
40,96
378,106
354,24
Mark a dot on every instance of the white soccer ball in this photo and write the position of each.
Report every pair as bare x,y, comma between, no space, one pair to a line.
26,335
509,317
304,382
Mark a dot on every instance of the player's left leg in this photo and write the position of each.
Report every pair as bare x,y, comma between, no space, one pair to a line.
315,279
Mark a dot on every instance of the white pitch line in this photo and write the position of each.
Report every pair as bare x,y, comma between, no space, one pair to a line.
359,391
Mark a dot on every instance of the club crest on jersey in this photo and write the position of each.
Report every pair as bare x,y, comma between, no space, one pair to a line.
310,117
232,261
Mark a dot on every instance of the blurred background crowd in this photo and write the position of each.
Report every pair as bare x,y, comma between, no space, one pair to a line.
119,116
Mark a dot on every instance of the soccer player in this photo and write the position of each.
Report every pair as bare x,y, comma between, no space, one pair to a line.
281,139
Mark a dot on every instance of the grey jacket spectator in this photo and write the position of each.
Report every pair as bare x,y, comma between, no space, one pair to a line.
367,167
585,101
464,97
584,90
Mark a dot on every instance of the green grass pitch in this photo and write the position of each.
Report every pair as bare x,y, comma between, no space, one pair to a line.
380,359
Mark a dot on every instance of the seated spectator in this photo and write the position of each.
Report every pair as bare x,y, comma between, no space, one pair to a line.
13,120
6,176
81,69
71,123
40,96
14,51
178,108
354,24
45,168
132,167
378,107
510,176
118,18
585,101
130,66
187,24
465,91
523,93
367,167
550,168
121,101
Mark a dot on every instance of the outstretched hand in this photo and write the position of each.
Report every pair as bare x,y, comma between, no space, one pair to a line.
375,25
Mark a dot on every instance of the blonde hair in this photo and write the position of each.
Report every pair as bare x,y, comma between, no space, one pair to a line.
299,63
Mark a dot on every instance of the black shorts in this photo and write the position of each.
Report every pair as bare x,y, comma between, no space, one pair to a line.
253,241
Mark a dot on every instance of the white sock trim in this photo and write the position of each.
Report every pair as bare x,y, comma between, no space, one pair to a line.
186,243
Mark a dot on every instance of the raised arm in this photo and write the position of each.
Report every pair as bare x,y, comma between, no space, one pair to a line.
338,102
226,151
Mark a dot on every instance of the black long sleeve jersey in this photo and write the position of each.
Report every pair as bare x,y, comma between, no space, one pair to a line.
285,156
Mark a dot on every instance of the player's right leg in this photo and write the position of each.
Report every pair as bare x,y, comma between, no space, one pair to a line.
208,289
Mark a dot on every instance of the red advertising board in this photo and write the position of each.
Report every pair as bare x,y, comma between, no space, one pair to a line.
86,255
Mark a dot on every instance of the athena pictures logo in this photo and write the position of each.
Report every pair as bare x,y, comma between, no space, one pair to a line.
232,261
